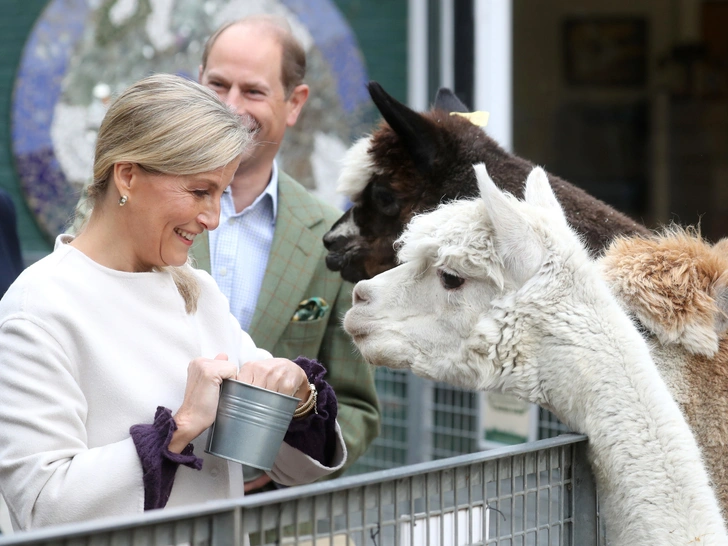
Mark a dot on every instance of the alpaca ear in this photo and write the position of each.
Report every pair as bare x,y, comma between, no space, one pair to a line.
417,133
539,193
446,100
517,244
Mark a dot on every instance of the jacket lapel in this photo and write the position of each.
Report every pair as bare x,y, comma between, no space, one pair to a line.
294,253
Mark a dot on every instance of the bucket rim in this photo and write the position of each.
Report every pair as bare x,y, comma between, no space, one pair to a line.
261,389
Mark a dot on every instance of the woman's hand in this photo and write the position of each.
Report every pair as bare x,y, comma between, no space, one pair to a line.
202,392
276,374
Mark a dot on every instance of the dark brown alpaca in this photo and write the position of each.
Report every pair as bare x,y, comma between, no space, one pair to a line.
413,162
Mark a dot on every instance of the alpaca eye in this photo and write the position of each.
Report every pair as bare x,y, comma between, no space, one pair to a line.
385,201
450,281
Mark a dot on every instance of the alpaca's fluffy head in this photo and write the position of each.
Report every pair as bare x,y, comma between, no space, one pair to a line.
675,284
434,313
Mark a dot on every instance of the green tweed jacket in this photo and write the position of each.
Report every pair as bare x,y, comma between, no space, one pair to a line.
297,271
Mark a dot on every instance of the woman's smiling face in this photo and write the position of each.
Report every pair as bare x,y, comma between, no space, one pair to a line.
166,212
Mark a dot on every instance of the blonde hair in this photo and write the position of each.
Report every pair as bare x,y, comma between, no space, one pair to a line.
169,125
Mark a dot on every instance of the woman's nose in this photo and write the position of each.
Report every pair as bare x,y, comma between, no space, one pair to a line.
210,217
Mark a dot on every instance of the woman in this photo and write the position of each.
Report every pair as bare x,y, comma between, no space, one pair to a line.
113,349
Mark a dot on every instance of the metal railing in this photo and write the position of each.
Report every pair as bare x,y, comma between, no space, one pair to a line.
424,421
540,493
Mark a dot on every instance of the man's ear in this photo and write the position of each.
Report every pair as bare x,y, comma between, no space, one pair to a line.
123,177
298,98
200,71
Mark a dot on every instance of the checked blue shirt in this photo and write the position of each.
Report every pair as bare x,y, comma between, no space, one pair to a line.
240,246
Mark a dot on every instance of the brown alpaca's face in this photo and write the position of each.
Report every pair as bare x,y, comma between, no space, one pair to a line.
361,243
410,164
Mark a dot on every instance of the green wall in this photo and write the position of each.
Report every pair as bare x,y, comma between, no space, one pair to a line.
381,30
380,27
18,17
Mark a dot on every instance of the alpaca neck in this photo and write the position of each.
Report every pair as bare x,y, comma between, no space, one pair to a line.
652,482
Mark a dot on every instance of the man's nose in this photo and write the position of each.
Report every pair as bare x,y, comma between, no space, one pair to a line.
235,99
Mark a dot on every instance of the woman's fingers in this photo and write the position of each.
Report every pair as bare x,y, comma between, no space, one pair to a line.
202,391
276,374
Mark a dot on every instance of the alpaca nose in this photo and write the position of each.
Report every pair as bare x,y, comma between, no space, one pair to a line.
337,237
361,294
334,242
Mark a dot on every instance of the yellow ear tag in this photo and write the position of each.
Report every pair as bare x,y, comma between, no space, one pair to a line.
478,118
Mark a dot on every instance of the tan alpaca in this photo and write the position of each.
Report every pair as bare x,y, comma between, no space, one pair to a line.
676,285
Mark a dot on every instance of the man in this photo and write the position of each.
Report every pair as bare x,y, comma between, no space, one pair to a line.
267,255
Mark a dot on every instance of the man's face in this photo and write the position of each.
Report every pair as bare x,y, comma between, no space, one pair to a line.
244,69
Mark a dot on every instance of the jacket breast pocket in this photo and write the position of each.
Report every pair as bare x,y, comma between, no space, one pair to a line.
303,338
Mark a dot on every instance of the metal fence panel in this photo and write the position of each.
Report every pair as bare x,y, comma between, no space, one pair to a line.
425,421
536,494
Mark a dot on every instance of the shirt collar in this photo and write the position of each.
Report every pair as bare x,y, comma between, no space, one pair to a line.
271,190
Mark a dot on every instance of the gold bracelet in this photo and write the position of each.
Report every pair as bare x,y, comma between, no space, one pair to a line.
305,409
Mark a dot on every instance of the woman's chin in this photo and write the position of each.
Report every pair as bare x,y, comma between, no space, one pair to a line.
175,260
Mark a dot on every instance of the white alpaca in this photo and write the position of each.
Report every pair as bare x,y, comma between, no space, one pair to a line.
500,294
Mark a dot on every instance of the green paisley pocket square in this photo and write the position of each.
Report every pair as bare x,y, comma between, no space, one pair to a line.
310,309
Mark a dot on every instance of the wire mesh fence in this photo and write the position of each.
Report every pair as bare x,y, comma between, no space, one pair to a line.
426,421
535,494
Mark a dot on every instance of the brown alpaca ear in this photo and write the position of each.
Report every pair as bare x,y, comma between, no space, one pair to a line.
446,100
419,136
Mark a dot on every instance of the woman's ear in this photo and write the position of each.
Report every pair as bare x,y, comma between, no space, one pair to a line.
123,177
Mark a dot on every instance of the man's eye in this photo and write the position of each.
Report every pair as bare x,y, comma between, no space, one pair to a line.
201,193
450,281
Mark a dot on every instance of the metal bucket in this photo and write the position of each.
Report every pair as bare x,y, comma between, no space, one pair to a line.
250,425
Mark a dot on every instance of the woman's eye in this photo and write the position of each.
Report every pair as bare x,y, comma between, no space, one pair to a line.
450,281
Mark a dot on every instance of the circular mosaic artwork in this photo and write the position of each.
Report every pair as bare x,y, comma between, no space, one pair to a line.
83,52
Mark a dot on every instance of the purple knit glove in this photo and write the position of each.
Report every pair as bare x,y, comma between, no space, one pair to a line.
158,463
315,434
